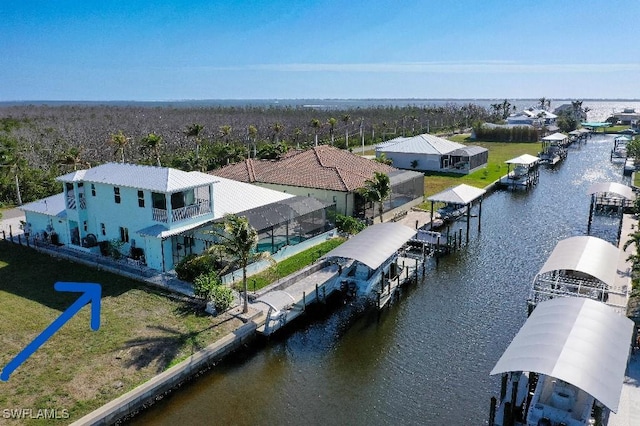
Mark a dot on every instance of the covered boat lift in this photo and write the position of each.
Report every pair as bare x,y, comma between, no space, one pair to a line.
581,266
579,348
610,197
619,150
554,148
525,172
370,255
595,125
458,201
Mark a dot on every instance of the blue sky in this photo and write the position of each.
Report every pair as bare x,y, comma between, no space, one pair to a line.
197,49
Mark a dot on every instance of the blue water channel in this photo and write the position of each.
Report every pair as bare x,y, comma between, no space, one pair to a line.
426,359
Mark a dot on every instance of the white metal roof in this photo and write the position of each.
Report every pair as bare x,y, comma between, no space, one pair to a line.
555,137
590,255
525,159
231,196
461,194
420,144
613,187
374,245
577,340
152,178
52,206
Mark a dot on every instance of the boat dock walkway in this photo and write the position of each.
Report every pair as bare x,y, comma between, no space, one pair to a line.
281,306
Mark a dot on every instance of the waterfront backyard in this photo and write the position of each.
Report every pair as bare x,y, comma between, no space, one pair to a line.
143,332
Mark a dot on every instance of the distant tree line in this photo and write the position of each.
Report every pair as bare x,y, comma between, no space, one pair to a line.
41,142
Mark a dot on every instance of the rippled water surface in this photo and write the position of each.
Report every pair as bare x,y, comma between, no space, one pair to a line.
426,359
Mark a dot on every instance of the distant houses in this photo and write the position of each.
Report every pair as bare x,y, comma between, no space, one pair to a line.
431,153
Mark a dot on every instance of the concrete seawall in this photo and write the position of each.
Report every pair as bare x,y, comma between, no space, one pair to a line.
146,393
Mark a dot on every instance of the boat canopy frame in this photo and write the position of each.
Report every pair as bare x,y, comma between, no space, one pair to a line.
582,266
586,344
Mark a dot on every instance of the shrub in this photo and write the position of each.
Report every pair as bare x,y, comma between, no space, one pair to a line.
348,224
192,266
204,284
222,297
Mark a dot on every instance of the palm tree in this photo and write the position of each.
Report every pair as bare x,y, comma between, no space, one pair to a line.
252,133
153,142
225,132
345,119
72,158
238,240
120,141
634,238
194,131
377,190
13,162
332,126
315,123
277,128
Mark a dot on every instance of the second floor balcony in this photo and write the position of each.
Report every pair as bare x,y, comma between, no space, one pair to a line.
201,207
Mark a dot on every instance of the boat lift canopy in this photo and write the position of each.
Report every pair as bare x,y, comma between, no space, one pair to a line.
374,245
556,137
578,340
619,189
461,194
524,159
589,255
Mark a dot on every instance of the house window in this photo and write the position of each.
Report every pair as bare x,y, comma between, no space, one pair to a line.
124,234
116,193
103,230
93,190
84,226
140,198
159,201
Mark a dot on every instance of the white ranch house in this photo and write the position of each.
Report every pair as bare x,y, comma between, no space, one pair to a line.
431,153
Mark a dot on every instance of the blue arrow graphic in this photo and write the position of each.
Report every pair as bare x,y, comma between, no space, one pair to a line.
91,293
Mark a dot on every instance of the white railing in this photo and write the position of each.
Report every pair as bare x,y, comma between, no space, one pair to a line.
193,210
160,215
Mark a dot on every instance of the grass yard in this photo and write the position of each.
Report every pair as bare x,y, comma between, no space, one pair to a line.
143,332
292,264
499,152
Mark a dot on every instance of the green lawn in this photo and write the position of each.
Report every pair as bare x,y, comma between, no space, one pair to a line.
499,152
292,264
143,332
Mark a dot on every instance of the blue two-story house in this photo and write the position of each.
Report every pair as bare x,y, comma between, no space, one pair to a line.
140,208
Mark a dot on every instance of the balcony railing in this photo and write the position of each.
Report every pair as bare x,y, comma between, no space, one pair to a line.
160,215
193,210
187,212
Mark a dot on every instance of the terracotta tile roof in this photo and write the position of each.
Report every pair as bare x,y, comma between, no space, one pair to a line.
322,167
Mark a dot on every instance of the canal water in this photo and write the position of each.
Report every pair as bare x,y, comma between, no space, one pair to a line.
425,360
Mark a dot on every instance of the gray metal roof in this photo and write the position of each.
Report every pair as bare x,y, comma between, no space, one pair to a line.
612,187
589,255
555,137
468,151
577,340
374,245
158,179
525,159
276,213
420,144
461,194
231,196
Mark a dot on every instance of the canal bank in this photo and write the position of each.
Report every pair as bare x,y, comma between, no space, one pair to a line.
424,360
